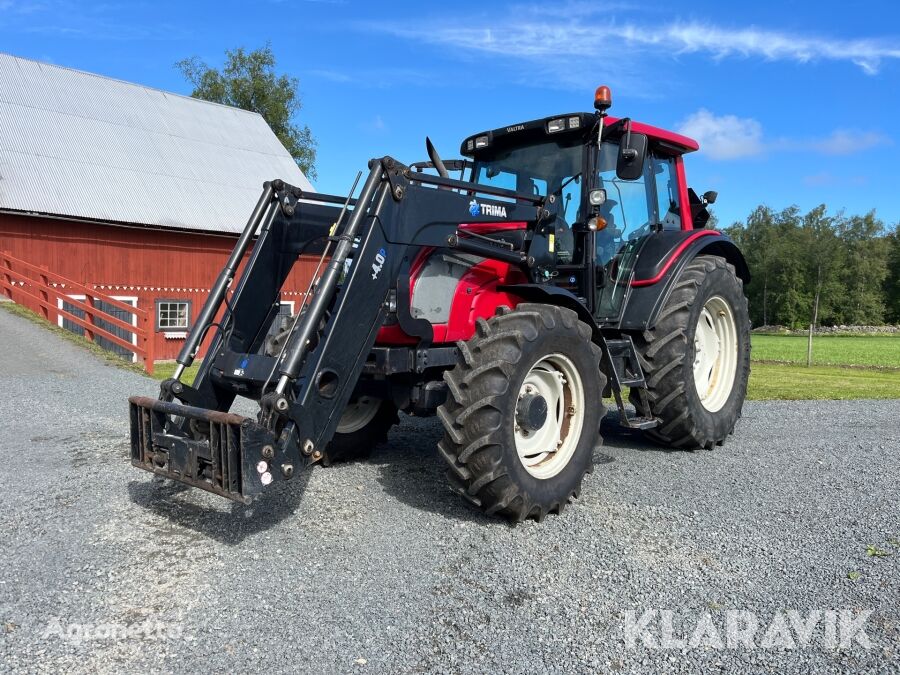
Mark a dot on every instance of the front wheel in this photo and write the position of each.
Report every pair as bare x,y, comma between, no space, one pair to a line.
696,359
364,425
523,412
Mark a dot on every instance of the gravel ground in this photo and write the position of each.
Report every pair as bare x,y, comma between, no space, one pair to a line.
378,567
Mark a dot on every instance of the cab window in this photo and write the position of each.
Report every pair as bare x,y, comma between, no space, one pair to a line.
668,208
630,210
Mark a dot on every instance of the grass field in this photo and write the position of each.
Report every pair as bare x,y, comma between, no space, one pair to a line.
780,381
880,351
770,381
864,367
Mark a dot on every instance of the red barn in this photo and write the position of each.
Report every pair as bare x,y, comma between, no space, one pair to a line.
134,192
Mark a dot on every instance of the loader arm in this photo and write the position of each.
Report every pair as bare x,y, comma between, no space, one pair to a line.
303,392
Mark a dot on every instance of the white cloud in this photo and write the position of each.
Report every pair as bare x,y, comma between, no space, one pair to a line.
848,141
779,46
725,136
529,35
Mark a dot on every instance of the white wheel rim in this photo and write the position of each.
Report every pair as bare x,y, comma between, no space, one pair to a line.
358,414
546,451
715,353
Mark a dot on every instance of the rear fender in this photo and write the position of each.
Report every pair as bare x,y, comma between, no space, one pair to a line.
661,262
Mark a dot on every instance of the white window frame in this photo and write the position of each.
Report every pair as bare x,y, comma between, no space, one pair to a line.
172,329
130,299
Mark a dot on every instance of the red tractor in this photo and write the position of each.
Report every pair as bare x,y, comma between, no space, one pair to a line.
568,263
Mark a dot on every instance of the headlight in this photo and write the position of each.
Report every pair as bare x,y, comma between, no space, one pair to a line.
597,197
556,125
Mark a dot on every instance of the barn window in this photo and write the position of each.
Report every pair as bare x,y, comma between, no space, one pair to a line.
173,314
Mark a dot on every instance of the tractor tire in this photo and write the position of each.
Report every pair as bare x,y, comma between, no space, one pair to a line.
363,426
696,359
523,411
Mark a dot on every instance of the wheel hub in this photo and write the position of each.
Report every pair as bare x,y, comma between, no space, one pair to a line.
358,414
715,353
549,416
531,412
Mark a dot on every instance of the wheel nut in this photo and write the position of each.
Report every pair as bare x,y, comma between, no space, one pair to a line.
268,451
287,470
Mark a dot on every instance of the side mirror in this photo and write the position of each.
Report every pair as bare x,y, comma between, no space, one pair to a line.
632,153
710,197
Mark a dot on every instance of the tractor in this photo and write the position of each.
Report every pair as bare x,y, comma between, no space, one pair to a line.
565,261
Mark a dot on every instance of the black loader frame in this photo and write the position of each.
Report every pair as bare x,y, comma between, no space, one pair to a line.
303,392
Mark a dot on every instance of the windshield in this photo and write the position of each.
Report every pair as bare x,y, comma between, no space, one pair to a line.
539,169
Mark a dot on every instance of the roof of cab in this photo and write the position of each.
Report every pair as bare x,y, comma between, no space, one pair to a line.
682,142
676,143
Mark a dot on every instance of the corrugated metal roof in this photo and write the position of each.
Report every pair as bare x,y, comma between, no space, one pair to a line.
83,145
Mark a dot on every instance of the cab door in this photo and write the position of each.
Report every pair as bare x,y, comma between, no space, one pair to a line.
630,214
634,210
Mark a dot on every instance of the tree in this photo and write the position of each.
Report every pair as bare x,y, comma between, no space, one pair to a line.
863,271
248,80
892,282
823,251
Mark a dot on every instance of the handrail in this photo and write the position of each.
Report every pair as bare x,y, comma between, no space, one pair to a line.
15,274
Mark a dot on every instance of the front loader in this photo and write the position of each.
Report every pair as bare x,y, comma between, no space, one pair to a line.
568,264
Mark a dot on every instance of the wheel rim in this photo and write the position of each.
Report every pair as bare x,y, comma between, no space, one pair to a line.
546,450
358,414
715,353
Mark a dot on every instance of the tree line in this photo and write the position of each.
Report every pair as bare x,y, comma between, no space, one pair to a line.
820,268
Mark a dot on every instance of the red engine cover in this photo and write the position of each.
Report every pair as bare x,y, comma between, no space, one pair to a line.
476,297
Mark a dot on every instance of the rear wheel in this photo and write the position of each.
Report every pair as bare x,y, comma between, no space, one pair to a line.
363,426
696,359
523,412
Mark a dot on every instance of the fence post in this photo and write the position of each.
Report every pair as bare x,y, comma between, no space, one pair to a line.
89,316
7,272
149,339
45,296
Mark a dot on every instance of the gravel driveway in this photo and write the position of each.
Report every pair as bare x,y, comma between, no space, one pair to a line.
378,567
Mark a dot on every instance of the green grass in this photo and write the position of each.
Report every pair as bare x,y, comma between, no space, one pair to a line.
163,370
879,378
777,381
879,351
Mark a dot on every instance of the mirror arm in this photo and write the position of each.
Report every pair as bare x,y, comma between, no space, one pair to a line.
628,152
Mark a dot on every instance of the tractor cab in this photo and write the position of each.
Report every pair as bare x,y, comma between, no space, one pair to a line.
610,185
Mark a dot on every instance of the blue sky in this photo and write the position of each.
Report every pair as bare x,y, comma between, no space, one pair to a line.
793,102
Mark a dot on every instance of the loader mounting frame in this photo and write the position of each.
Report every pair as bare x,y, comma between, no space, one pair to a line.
303,392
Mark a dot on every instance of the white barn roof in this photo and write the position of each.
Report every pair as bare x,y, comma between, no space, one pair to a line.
86,146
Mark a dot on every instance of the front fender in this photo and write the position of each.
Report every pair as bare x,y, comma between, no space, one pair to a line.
553,295
661,262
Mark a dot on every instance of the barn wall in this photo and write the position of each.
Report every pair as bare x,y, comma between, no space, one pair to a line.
143,263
